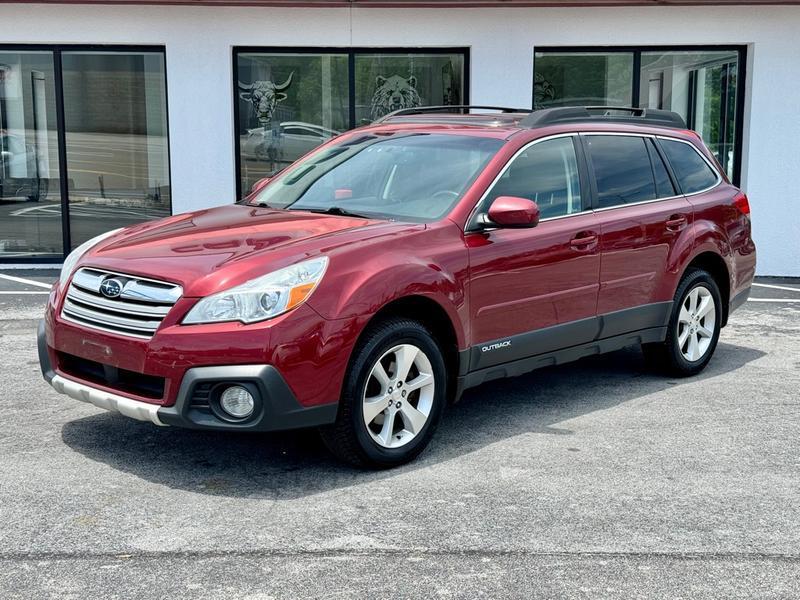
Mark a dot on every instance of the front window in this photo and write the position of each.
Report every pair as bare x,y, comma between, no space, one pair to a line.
412,177
545,172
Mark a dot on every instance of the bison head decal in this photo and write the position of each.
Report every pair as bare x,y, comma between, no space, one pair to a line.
264,96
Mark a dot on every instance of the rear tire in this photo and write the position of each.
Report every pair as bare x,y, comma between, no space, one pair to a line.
693,330
382,424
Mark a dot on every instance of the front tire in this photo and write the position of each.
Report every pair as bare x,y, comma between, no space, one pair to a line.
694,327
393,396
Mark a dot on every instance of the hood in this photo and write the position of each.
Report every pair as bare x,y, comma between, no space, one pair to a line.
213,249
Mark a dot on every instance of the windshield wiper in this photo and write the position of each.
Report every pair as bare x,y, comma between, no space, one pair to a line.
334,210
246,202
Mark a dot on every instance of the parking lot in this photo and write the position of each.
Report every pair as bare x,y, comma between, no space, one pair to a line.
595,479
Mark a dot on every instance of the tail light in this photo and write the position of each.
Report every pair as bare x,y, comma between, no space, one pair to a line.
740,202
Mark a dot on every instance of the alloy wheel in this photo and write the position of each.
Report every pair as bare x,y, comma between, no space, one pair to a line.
398,396
696,323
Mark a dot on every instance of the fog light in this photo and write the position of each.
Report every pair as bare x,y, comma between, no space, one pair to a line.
237,402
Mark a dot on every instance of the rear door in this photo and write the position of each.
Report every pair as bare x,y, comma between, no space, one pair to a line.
644,223
525,281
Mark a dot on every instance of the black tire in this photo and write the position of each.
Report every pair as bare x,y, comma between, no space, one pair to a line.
667,356
348,438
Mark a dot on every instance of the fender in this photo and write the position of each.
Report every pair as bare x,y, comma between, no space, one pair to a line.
382,275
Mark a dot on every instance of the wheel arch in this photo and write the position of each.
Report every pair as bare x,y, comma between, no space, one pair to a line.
433,316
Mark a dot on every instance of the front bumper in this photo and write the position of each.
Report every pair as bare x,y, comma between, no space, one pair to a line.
194,407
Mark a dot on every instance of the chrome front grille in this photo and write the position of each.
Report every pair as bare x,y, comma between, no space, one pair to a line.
119,303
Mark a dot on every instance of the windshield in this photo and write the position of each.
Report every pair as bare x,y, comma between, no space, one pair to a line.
412,177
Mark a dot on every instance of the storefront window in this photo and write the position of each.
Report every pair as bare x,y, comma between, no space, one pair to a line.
105,164
702,85
116,137
389,82
30,199
289,102
583,79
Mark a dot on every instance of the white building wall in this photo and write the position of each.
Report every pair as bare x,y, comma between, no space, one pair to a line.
199,43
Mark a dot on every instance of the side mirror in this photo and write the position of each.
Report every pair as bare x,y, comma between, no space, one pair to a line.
259,185
511,211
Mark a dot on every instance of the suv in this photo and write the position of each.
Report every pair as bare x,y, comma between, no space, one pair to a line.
375,279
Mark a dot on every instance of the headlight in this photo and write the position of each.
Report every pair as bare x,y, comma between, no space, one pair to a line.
261,298
74,256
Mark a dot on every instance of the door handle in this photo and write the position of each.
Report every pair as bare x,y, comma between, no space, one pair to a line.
676,222
583,240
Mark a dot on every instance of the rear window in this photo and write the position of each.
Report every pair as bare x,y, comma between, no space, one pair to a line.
622,169
693,172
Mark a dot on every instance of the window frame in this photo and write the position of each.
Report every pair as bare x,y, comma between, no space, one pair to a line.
587,193
637,51
593,176
351,52
673,176
56,51
676,181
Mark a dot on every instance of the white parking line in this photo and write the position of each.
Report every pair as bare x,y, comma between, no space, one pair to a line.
777,287
26,281
7,293
773,300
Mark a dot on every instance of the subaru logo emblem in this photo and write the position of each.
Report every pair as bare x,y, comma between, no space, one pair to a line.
111,287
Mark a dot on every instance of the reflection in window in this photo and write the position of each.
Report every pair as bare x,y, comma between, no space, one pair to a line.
701,87
288,105
30,207
583,79
116,137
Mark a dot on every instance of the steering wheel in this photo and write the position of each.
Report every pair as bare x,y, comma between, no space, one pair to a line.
443,192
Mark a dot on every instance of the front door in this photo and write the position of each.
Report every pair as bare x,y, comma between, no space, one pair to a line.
535,290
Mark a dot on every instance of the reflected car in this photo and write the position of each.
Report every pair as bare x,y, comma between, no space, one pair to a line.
370,283
16,156
290,141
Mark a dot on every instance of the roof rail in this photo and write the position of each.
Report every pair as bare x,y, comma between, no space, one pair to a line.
458,108
572,114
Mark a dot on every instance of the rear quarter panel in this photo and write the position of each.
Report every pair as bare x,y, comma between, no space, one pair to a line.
720,227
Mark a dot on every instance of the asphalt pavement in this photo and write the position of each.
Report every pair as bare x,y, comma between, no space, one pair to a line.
597,479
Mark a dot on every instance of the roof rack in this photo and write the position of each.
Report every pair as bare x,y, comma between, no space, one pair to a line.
456,108
572,114
563,114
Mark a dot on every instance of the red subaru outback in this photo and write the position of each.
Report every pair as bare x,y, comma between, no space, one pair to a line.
372,281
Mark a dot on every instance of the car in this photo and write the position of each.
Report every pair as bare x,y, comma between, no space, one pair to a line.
19,179
289,141
369,284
